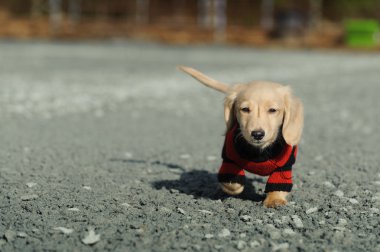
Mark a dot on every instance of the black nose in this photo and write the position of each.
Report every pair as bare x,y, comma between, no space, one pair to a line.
258,134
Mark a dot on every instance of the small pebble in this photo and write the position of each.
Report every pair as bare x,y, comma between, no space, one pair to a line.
339,193
31,184
297,221
22,235
209,236
353,201
243,235
328,184
125,204
311,210
285,219
281,246
165,210
197,247
211,158
275,235
205,211
91,238
87,188
254,244
29,197
224,233
217,246
73,209
289,231
245,218
270,226
241,244
342,222
64,230
181,211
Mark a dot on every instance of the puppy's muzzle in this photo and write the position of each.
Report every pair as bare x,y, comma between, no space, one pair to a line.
258,134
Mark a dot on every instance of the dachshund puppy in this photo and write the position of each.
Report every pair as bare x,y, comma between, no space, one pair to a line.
264,126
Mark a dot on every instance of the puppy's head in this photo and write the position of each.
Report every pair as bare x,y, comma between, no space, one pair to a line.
264,110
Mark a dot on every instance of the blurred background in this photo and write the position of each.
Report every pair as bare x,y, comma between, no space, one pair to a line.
292,23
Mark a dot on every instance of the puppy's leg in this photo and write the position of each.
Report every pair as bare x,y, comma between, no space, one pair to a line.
275,199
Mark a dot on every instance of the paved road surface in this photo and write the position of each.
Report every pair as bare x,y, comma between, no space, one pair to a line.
110,137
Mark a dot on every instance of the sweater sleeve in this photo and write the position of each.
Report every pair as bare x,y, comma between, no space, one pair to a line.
230,172
281,178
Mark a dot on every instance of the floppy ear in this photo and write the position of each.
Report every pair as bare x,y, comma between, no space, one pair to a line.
229,113
293,119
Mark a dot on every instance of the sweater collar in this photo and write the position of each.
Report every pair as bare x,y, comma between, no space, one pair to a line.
251,153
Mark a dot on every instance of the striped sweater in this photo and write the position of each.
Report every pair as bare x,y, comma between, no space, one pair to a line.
275,162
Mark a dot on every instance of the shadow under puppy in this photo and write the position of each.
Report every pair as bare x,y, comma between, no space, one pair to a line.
264,126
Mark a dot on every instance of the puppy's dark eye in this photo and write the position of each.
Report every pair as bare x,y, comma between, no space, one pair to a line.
272,110
245,109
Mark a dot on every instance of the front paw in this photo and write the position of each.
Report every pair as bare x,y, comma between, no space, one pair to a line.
275,199
232,188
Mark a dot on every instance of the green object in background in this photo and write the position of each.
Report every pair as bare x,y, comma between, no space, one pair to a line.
362,33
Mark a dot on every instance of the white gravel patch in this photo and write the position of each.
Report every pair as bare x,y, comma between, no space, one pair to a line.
73,209
22,235
353,201
328,184
311,210
224,233
205,211
64,230
288,231
91,238
297,221
240,245
31,184
254,244
181,211
246,218
209,236
281,246
339,193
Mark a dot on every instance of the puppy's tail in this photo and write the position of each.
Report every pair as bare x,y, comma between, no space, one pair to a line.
221,87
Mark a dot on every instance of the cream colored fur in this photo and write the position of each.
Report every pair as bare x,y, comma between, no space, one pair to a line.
258,105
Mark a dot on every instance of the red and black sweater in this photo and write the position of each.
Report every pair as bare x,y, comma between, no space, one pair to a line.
275,162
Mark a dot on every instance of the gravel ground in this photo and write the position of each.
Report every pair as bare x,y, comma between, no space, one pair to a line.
105,146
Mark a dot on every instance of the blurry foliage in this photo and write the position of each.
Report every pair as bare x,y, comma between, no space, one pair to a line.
341,9
243,10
